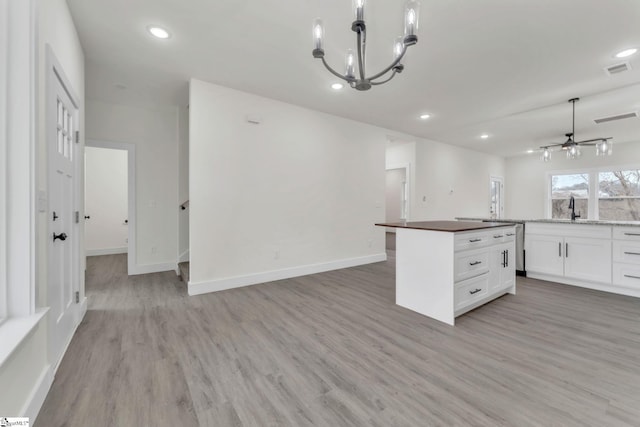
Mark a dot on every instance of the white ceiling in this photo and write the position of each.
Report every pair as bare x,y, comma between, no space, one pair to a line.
501,67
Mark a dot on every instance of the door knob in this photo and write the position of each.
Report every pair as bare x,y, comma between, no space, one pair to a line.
61,236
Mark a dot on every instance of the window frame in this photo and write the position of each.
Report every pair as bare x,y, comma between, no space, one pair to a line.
594,184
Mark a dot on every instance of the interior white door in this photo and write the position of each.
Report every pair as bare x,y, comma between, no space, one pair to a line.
63,228
496,203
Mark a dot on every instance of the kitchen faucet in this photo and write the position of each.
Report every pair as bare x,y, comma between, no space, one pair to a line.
572,206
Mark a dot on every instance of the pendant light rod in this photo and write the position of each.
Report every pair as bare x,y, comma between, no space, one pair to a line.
362,82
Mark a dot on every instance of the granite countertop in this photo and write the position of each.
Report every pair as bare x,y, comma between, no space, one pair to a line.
447,226
557,221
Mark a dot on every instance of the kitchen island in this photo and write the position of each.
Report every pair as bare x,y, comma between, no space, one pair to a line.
447,268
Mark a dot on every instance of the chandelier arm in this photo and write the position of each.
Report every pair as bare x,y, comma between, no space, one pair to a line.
384,81
334,72
361,53
390,67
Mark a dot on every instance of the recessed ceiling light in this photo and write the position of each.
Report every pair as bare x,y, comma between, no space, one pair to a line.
337,86
425,116
484,136
158,32
626,52
529,151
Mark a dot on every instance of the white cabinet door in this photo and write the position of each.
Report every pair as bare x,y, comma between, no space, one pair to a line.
544,254
587,259
502,267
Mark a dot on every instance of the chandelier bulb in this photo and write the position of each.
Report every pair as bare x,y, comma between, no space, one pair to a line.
358,9
349,64
546,154
411,14
398,47
318,34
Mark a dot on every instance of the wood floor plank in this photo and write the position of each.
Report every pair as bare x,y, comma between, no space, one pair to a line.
333,349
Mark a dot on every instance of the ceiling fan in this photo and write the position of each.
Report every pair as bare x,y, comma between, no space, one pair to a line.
603,145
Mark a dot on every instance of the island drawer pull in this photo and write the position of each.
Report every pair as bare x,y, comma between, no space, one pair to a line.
511,234
632,253
475,263
632,234
478,290
631,276
474,240
497,236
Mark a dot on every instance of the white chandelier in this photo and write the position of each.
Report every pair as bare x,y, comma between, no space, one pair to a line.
360,80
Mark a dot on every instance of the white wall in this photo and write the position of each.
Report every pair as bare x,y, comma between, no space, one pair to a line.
298,193
183,183
525,184
452,181
26,375
105,201
154,131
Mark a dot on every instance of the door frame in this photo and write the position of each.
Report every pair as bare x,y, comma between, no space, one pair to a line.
131,195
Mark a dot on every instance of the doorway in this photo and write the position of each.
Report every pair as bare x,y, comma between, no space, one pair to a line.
110,194
105,200
496,197
396,201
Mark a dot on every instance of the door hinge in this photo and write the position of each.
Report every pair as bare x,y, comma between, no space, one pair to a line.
77,137
77,297
77,217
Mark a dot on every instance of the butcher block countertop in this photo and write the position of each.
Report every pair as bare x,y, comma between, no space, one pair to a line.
446,226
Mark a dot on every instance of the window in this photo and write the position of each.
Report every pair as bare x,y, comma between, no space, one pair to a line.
619,195
565,186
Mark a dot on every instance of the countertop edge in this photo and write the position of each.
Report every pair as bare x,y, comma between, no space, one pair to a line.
556,221
438,226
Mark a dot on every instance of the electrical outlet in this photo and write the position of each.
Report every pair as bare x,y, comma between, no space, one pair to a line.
276,254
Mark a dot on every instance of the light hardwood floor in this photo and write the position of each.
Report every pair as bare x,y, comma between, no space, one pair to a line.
333,349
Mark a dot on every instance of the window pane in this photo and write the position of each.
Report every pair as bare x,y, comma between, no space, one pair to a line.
623,209
565,186
560,208
619,184
619,195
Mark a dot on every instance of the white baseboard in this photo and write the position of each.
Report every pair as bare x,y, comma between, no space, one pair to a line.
184,256
585,284
107,251
198,288
38,394
152,268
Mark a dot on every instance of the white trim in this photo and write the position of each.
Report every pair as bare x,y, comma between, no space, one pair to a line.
106,251
15,330
153,268
198,288
500,179
184,256
132,266
38,394
20,201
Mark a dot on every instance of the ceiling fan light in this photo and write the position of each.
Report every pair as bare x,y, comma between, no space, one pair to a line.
546,154
573,152
603,148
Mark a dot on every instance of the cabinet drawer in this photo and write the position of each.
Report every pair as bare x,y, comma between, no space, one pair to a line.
502,235
471,290
463,241
628,252
470,263
627,233
627,275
